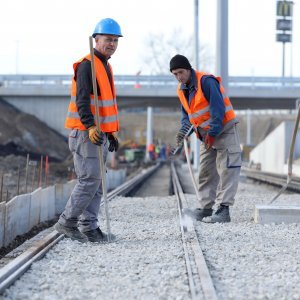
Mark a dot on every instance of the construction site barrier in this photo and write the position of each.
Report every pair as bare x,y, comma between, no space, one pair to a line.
19,215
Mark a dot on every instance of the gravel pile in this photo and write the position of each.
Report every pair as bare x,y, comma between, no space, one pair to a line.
248,260
147,262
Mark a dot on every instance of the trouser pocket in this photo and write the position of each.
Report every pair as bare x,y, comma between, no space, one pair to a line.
73,140
234,157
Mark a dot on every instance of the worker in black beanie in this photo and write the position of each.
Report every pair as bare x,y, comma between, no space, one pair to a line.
205,106
179,61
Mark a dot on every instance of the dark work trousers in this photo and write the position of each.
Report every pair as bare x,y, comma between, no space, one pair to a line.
83,206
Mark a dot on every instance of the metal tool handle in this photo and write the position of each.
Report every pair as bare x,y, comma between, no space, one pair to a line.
290,158
190,167
101,157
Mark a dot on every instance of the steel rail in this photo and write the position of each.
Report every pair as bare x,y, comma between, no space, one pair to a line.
272,179
17,267
189,237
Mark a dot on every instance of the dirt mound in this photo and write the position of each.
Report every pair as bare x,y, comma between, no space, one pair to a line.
21,133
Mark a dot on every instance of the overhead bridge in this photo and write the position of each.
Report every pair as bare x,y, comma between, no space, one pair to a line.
158,91
48,96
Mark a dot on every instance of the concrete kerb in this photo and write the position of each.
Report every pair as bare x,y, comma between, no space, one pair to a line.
2,223
47,204
35,208
16,217
23,212
267,214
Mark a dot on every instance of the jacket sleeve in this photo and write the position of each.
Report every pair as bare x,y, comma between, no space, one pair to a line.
84,89
212,93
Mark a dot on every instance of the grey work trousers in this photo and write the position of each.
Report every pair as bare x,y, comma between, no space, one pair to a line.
220,169
83,206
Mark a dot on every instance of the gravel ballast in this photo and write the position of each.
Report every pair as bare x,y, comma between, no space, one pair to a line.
147,262
246,260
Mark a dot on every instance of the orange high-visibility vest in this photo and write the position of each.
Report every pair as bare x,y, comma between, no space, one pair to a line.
108,110
199,109
151,147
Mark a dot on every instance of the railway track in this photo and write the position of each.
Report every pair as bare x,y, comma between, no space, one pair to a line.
272,179
200,282
16,268
194,270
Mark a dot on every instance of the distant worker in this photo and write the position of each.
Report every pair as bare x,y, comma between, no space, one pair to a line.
151,151
79,220
205,106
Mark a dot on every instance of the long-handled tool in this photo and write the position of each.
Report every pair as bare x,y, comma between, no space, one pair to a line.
101,157
187,131
290,159
187,212
190,167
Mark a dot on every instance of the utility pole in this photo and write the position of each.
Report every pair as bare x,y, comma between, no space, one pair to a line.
195,143
222,42
196,29
17,56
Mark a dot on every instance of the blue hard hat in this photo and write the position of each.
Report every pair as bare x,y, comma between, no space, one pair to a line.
107,26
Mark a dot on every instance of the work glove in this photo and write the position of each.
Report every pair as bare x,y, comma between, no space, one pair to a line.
95,135
113,143
209,141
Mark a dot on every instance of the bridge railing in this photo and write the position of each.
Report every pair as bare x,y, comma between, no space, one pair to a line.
147,81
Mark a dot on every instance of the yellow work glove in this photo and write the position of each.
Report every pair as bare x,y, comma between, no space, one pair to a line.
95,135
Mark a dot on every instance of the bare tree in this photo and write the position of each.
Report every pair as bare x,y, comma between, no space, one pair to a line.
160,49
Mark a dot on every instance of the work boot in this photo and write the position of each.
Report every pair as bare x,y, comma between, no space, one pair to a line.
97,236
220,216
71,232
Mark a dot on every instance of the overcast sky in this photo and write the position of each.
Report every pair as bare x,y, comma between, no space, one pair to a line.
46,37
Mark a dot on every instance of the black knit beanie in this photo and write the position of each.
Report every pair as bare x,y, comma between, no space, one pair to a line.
179,62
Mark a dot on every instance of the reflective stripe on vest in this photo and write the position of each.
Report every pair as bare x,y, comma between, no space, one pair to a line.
107,104
105,120
199,108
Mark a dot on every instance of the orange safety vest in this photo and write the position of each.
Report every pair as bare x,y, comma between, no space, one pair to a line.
199,109
108,110
150,147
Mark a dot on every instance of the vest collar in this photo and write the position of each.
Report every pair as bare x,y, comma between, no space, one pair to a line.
101,56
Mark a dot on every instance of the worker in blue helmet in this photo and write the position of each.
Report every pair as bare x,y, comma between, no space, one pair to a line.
79,220
107,26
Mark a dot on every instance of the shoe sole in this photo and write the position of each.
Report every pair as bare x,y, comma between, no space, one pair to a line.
112,240
209,220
